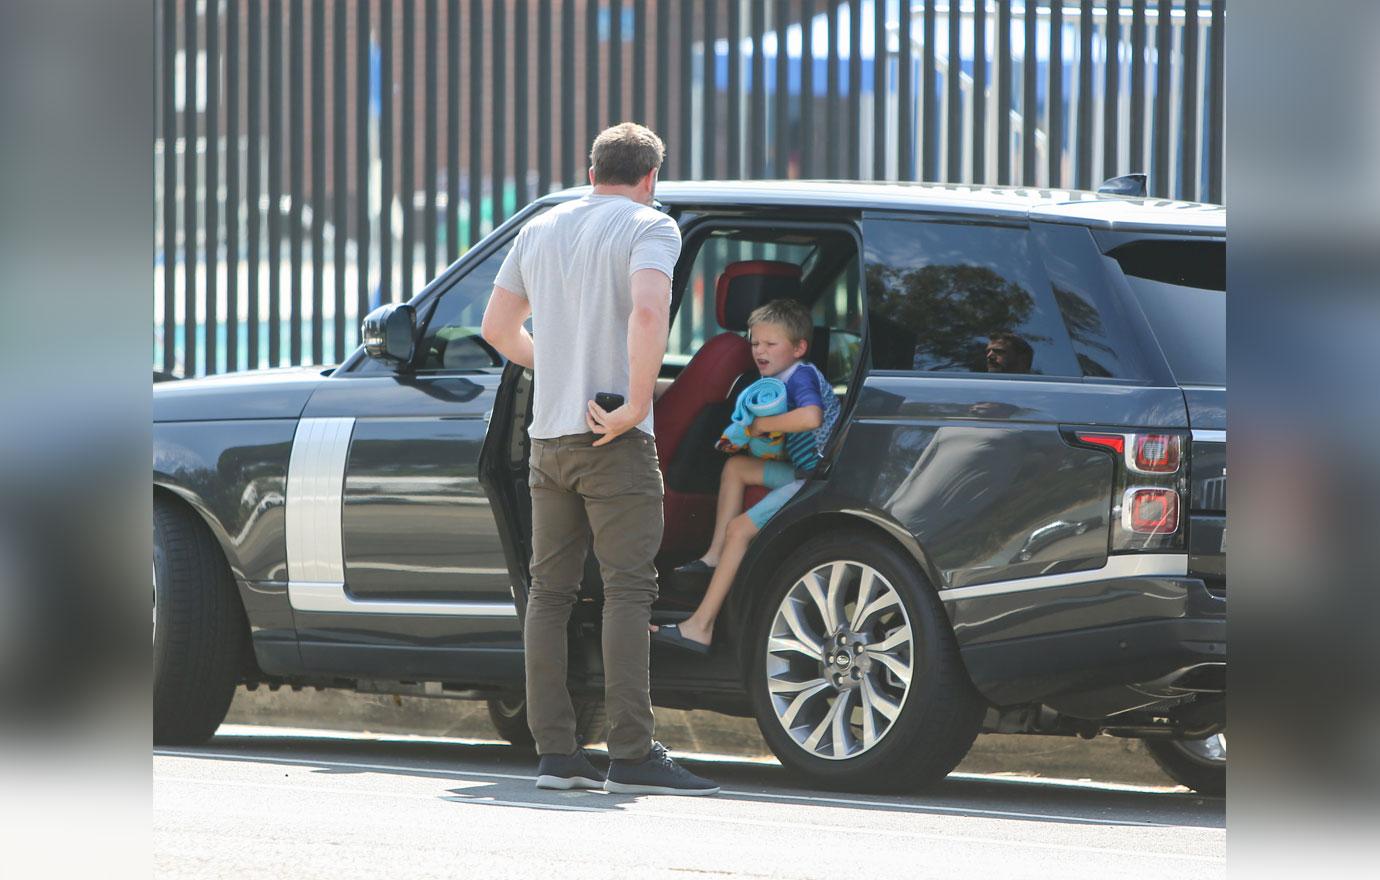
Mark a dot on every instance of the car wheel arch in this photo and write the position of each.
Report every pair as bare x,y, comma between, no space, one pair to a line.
208,648
188,501
178,494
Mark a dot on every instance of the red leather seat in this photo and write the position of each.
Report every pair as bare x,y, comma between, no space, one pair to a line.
707,379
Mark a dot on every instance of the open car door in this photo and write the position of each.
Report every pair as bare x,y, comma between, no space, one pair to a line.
503,474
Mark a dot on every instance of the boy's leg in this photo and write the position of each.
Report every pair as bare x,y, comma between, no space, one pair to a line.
739,472
741,530
700,625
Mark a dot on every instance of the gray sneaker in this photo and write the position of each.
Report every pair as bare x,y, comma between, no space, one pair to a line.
655,774
564,772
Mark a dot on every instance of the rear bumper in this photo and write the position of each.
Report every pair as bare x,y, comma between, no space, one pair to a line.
1097,648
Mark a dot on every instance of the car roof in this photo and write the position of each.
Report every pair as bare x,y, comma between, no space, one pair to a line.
1079,207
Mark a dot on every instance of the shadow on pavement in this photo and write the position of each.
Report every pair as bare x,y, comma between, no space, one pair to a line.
504,775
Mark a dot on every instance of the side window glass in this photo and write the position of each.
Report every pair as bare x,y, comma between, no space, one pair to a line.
840,308
1104,347
949,297
452,340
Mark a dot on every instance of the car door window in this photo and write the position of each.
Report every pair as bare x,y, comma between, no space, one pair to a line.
452,340
960,297
450,337
839,307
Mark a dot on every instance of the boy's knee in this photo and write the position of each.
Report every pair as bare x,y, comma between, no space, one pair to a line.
742,527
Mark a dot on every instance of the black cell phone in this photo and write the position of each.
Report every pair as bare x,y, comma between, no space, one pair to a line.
608,401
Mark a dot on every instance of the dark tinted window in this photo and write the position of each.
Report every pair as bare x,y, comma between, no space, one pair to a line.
1181,287
1104,341
950,297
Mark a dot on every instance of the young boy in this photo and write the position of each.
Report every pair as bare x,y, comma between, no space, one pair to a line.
779,332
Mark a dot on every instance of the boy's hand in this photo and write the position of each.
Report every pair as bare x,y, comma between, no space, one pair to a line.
725,446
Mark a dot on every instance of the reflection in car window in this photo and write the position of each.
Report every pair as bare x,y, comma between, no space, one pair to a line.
451,328
452,340
1100,337
946,297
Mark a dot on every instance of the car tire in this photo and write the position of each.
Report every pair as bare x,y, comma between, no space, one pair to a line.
924,711
199,628
509,717
1197,764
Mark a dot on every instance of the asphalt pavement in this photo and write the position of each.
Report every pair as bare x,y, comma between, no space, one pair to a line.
265,802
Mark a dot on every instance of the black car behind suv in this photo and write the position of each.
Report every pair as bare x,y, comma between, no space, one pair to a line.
1019,526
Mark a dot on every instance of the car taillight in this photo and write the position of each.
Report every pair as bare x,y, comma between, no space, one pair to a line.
1155,453
1114,442
1143,453
1149,477
1150,511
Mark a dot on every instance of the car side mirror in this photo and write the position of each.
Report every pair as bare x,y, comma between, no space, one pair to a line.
390,333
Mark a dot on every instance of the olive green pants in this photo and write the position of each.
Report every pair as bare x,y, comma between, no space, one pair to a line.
614,491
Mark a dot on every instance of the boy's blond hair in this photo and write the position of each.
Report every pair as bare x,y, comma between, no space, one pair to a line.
788,314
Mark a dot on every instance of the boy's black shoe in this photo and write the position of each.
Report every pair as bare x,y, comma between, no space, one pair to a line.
670,634
655,774
697,567
564,772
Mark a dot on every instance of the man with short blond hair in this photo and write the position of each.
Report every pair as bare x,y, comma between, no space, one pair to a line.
594,274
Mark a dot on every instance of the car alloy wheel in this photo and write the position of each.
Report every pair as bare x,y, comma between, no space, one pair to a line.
1210,750
839,660
1199,764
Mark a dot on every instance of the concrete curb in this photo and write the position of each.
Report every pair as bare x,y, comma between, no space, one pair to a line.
1104,759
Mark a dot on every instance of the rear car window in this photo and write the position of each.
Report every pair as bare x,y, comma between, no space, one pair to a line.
961,298
1181,288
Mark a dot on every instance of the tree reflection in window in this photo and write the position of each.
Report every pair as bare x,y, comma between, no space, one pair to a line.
949,312
949,297
1085,328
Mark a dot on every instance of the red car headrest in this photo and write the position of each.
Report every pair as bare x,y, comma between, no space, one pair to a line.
747,284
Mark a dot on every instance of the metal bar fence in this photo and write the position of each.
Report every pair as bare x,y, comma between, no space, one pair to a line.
981,92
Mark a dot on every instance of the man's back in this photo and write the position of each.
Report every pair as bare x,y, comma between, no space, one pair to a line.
575,264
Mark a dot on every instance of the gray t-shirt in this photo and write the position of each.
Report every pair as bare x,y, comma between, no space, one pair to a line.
575,264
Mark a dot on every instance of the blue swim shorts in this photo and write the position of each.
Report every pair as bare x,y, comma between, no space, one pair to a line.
779,477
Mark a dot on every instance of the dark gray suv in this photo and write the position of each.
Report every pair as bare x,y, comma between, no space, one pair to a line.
1020,524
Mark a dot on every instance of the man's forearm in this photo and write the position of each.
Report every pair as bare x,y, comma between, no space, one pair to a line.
503,328
516,347
647,332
